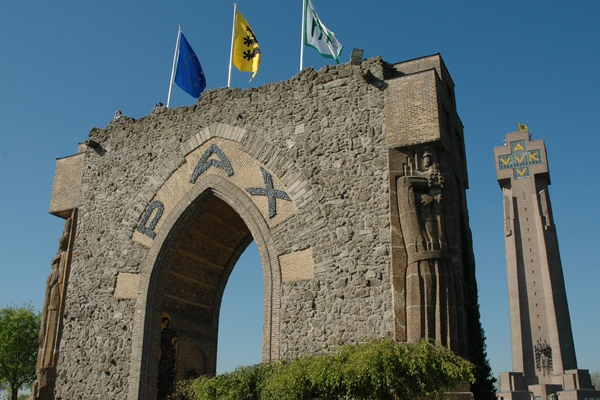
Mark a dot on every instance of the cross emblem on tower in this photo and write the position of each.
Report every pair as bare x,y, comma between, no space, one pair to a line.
520,159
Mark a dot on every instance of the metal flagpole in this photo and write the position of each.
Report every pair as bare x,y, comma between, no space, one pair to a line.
302,35
174,65
232,40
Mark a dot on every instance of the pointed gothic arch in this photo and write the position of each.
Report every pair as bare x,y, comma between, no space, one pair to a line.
215,199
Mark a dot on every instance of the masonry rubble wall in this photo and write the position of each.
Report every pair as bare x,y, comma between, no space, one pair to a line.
329,125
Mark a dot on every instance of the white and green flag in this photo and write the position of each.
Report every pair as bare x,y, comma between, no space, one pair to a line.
317,35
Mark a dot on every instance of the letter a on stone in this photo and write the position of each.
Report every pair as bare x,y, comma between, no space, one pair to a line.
204,163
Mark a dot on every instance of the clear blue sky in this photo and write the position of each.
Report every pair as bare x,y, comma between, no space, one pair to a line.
66,66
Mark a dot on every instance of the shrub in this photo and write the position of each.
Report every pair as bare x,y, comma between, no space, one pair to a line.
376,370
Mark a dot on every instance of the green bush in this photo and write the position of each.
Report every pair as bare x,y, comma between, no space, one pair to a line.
376,370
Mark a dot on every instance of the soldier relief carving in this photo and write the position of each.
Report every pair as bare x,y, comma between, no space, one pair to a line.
543,357
49,319
52,315
430,281
167,366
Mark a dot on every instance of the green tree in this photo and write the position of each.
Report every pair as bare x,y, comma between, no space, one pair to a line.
596,379
484,387
19,329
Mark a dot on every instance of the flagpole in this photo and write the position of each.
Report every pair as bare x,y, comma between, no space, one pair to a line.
302,34
232,40
174,66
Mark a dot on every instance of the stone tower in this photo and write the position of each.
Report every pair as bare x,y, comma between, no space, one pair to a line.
543,351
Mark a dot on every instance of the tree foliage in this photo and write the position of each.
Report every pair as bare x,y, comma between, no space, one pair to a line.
595,379
484,387
19,329
377,370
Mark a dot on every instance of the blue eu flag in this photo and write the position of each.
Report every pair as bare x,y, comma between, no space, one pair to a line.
189,75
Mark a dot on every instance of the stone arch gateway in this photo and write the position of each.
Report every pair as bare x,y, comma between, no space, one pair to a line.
351,180
197,225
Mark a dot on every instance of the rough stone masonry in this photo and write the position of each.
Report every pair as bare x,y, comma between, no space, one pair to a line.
351,180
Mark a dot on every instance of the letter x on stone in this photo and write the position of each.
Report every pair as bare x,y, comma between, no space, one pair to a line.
271,193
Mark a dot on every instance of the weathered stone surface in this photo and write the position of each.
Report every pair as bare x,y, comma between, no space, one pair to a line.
306,168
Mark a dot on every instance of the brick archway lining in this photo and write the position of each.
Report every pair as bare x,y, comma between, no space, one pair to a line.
164,280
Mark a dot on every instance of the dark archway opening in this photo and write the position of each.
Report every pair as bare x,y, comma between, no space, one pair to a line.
192,271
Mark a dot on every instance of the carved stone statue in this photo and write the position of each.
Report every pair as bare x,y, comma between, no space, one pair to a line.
545,209
167,365
509,215
53,299
543,357
430,281
51,318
